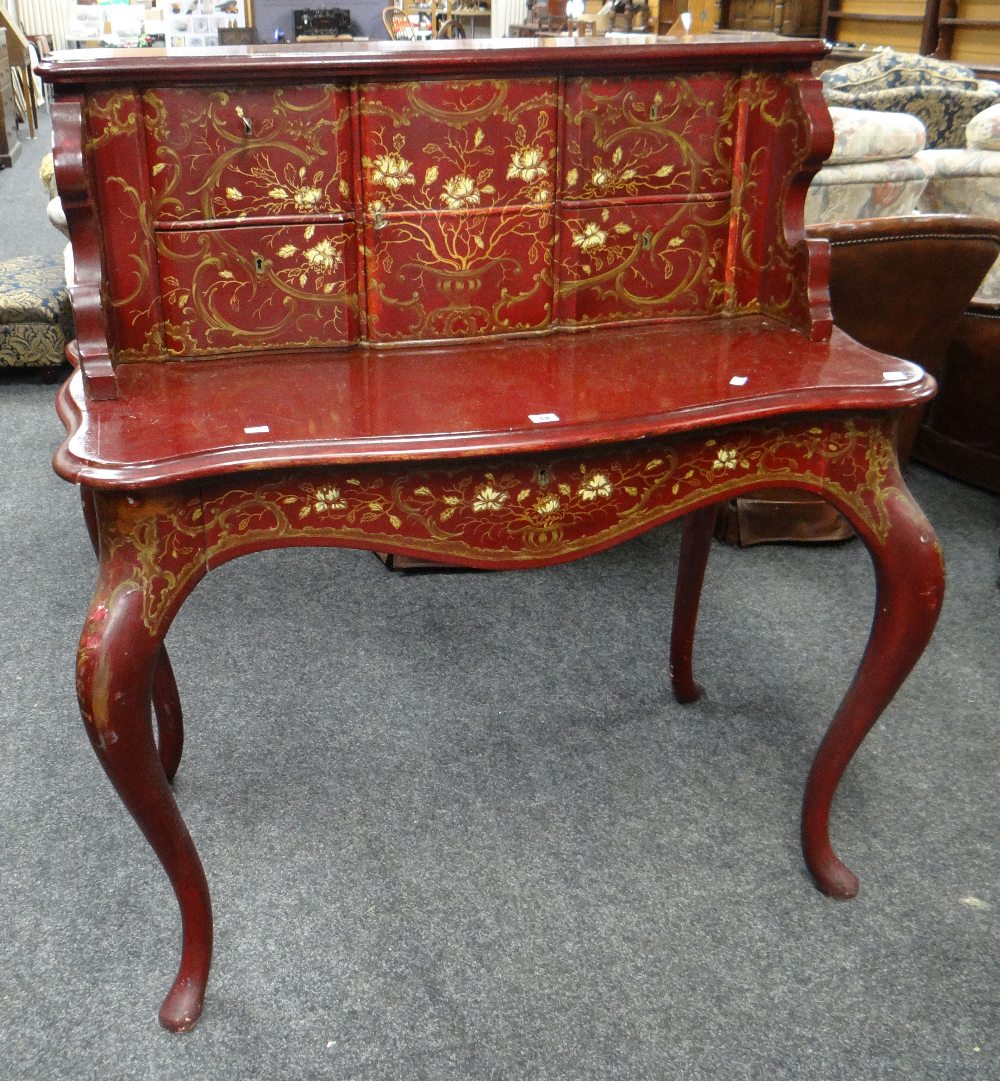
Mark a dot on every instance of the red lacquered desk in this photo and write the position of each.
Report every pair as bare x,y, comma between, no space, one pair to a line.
497,304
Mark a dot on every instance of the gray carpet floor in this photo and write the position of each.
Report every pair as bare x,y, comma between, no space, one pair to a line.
456,828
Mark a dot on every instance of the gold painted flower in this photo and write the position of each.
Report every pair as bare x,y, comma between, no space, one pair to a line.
308,198
526,163
488,498
328,499
725,459
601,178
546,505
460,192
593,238
392,171
323,257
597,484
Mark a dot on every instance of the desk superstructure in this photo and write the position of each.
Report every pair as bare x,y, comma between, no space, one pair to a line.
495,303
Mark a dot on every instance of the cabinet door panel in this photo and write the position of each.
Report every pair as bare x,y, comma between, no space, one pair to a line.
458,275
640,261
248,151
648,137
258,287
458,145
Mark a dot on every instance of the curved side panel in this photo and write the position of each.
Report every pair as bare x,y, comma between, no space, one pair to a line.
85,289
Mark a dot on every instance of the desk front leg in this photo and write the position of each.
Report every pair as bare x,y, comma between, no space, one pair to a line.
860,477
166,700
909,576
150,557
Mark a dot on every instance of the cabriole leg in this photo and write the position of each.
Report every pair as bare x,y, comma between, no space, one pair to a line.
909,577
166,699
119,652
696,541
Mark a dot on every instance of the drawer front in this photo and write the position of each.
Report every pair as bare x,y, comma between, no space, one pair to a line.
648,137
440,146
641,261
458,275
248,152
260,287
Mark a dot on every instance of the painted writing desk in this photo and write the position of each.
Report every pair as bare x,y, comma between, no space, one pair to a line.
500,304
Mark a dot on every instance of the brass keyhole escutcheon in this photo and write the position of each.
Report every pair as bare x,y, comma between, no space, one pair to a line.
646,240
247,122
259,265
654,111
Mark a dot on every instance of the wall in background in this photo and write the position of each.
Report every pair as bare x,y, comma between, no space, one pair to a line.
366,16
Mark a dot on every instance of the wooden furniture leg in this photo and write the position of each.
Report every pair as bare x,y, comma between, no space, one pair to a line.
166,699
909,575
119,664
696,541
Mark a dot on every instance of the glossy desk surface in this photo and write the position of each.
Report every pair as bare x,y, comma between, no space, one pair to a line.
194,418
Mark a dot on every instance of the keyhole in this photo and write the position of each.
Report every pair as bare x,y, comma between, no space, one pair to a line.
258,264
647,240
542,478
654,111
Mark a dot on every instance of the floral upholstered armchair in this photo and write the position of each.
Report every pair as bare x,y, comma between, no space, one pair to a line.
912,135
876,169
942,95
968,182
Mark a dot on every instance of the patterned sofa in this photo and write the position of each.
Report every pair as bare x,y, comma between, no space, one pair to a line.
912,135
943,96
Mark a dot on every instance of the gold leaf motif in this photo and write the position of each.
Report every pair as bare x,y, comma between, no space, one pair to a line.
633,491
310,232
286,251
275,193
160,166
664,170
565,489
396,522
227,274
623,227
654,462
523,494
452,500
446,514
422,490
344,188
616,157
478,137
231,193
431,175
572,177
354,481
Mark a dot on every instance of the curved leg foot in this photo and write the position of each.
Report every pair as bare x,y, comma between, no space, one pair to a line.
119,662
909,589
696,542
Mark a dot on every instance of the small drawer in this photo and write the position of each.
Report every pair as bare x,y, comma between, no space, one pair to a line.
248,152
425,146
258,287
455,275
625,262
649,137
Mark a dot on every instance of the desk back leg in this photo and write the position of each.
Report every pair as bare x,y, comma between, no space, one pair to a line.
696,542
120,652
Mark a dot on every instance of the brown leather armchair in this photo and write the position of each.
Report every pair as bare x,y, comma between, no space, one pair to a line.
899,285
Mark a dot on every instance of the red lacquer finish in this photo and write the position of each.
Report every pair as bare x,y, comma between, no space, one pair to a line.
494,304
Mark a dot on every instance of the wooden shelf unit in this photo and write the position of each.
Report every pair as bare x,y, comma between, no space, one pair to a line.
966,31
